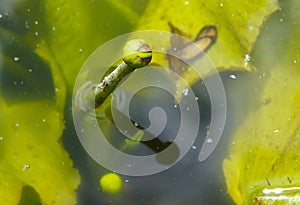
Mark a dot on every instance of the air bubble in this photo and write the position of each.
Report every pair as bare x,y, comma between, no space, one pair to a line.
281,20
294,61
209,140
17,124
29,70
1,138
16,58
185,91
186,2
221,4
232,76
247,59
36,22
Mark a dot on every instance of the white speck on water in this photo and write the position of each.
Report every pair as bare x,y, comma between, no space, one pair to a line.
56,89
162,49
174,49
0,16
247,59
136,124
80,50
196,98
294,61
43,120
26,24
276,131
36,33
127,180
1,138
194,147
175,106
221,4
232,76
53,28
250,28
126,131
185,91
82,130
281,20
233,142
26,166
28,10
188,108
16,58
17,124
186,2
29,70
36,22
209,140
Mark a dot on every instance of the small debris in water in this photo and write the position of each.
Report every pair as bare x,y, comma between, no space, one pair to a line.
276,131
26,166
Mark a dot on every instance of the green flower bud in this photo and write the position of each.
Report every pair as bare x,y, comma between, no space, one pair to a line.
137,53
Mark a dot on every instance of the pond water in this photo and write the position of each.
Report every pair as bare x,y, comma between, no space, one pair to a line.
26,77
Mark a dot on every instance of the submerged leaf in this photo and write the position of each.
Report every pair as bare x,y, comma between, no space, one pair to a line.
263,167
238,24
34,167
32,154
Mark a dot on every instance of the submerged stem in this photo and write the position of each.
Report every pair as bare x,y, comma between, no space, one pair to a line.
137,54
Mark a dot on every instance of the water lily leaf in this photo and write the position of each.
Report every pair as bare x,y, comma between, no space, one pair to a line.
238,24
263,164
72,33
34,167
32,154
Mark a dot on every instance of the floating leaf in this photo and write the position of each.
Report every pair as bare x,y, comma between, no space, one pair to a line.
263,167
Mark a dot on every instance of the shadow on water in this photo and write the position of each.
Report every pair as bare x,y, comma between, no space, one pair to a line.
189,181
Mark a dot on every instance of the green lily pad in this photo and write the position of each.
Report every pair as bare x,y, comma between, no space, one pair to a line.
263,164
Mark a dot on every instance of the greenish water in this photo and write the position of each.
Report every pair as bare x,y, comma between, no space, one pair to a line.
25,76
